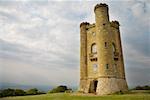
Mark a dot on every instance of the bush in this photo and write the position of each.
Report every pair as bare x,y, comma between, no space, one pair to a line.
19,92
11,92
41,92
146,87
7,92
119,92
68,91
58,89
33,91
0,93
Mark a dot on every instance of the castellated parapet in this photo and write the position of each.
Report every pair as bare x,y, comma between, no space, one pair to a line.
101,57
115,24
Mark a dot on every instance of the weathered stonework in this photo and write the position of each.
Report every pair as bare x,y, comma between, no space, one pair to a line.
101,58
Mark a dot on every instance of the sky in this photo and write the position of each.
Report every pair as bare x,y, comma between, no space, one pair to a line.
40,43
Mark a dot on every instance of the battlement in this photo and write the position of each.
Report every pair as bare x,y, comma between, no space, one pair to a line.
115,24
84,23
91,25
100,5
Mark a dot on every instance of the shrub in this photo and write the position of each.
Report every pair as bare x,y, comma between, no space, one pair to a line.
138,88
41,92
19,92
0,93
7,92
58,89
33,91
68,91
119,92
146,87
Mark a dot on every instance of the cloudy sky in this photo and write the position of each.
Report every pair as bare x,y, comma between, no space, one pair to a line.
39,40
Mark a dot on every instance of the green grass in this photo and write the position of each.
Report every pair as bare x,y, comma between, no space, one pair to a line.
73,96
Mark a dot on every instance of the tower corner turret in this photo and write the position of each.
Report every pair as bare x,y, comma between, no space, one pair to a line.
84,23
100,5
115,24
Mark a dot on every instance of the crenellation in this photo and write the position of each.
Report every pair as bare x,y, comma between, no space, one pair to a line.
84,23
91,26
100,5
115,24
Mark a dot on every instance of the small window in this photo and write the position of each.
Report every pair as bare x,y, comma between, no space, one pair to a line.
93,33
95,67
107,66
104,24
93,48
115,68
113,47
94,59
105,44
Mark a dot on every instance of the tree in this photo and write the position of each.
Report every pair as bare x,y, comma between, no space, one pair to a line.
33,91
146,87
19,92
1,93
138,88
58,89
7,92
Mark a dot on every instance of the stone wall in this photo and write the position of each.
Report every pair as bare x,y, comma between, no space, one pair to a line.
107,86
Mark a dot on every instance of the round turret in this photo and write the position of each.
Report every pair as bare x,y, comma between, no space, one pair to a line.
100,5
101,13
83,49
84,23
115,24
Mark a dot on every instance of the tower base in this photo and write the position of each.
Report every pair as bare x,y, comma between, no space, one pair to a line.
107,86
122,84
83,86
103,86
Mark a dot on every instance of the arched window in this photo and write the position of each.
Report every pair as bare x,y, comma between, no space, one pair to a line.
107,66
115,68
115,54
95,67
113,47
93,48
93,33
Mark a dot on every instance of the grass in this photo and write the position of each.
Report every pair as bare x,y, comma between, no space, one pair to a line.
72,96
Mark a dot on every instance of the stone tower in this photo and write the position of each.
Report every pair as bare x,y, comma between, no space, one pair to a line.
101,58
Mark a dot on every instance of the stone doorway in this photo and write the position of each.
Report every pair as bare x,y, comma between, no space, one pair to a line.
93,86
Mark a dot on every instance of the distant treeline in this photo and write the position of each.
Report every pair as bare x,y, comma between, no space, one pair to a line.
34,91
19,92
60,88
146,87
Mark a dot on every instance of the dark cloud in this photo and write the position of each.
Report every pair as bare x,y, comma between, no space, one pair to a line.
137,73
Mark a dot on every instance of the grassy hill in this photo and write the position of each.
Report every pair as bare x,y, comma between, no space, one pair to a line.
134,95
